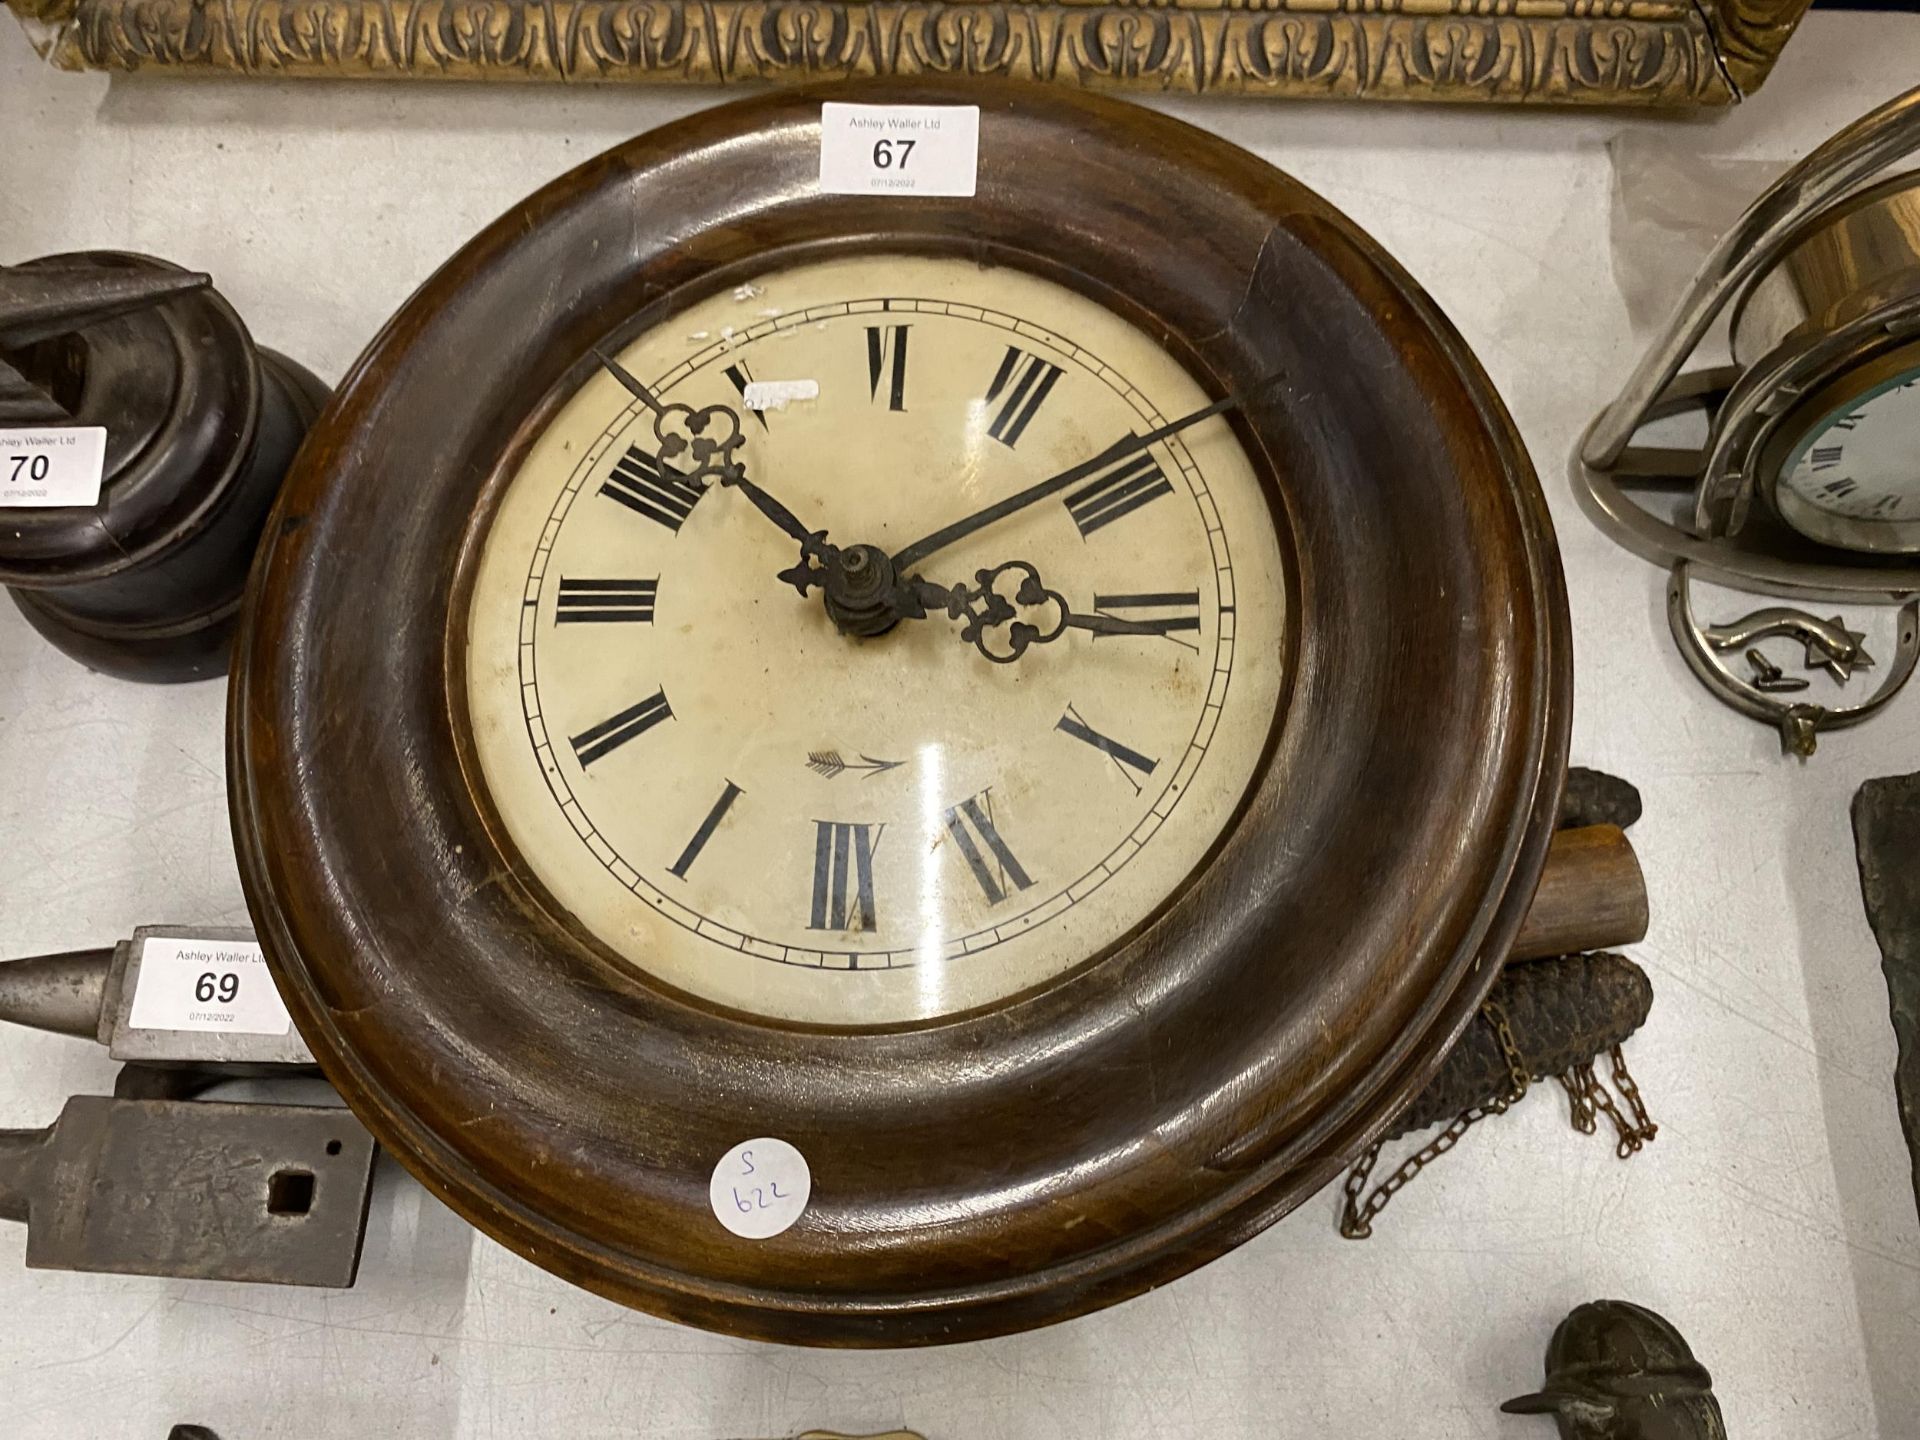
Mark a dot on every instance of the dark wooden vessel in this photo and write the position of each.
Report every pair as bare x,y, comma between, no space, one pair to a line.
201,426
1081,1142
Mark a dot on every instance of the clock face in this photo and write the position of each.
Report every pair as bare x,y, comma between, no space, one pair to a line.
742,801
1855,479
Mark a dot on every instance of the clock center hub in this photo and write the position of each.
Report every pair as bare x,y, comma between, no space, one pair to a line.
859,591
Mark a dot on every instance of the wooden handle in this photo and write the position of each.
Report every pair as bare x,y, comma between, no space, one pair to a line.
1591,896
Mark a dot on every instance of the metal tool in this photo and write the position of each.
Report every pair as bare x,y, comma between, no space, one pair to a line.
195,1190
38,305
91,994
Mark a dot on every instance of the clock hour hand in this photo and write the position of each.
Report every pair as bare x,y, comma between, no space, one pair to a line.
906,559
1003,626
708,437
1112,625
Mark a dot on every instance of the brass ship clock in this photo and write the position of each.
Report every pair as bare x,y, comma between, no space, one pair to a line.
1808,483
1000,736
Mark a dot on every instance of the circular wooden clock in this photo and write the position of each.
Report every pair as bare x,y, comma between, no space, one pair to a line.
1044,707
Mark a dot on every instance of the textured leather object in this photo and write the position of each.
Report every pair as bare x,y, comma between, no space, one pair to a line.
1563,1013
1886,831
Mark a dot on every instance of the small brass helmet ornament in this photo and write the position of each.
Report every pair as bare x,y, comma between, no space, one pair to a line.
1617,1371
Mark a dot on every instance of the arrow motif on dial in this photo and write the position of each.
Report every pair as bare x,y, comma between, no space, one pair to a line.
829,765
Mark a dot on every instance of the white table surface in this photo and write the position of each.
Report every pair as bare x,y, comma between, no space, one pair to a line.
1772,1220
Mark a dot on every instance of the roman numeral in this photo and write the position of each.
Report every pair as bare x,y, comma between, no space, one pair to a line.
1124,757
1132,482
610,734
592,602
974,817
1825,457
698,843
1886,504
1850,422
641,483
741,378
843,875
1164,611
1839,488
1025,381
887,354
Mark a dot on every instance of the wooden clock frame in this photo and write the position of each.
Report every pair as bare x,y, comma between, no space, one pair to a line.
1046,1155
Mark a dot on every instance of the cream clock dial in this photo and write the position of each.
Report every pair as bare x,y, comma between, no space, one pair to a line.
744,802
1860,464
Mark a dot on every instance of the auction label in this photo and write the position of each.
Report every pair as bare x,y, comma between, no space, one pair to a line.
760,1187
52,465
778,394
899,149
207,985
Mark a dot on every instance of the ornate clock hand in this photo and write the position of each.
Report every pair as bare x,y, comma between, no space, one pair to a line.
1112,625
986,610
681,428
919,550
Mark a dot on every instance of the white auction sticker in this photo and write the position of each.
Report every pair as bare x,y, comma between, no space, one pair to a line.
760,1187
52,465
778,394
207,985
899,149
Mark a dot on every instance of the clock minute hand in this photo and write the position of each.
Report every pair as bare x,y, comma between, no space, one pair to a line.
809,540
728,471
627,378
906,559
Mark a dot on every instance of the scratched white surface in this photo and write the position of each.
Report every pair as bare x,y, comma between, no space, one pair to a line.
1772,1219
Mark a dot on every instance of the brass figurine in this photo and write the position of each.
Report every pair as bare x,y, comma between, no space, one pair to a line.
1618,1371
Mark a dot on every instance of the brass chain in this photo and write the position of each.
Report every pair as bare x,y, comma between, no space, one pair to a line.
1643,1127
1629,1138
1578,1083
1587,1096
1518,1077
1356,1216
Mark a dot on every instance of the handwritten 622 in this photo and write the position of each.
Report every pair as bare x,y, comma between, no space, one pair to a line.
760,1187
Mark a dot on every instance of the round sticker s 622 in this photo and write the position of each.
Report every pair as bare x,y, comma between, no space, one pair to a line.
760,1187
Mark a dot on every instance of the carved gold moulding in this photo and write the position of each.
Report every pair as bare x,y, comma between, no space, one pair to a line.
1611,52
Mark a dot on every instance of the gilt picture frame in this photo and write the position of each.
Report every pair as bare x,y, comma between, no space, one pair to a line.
1672,53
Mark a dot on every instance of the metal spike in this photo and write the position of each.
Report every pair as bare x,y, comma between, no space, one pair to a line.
42,301
21,1160
22,402
62,993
